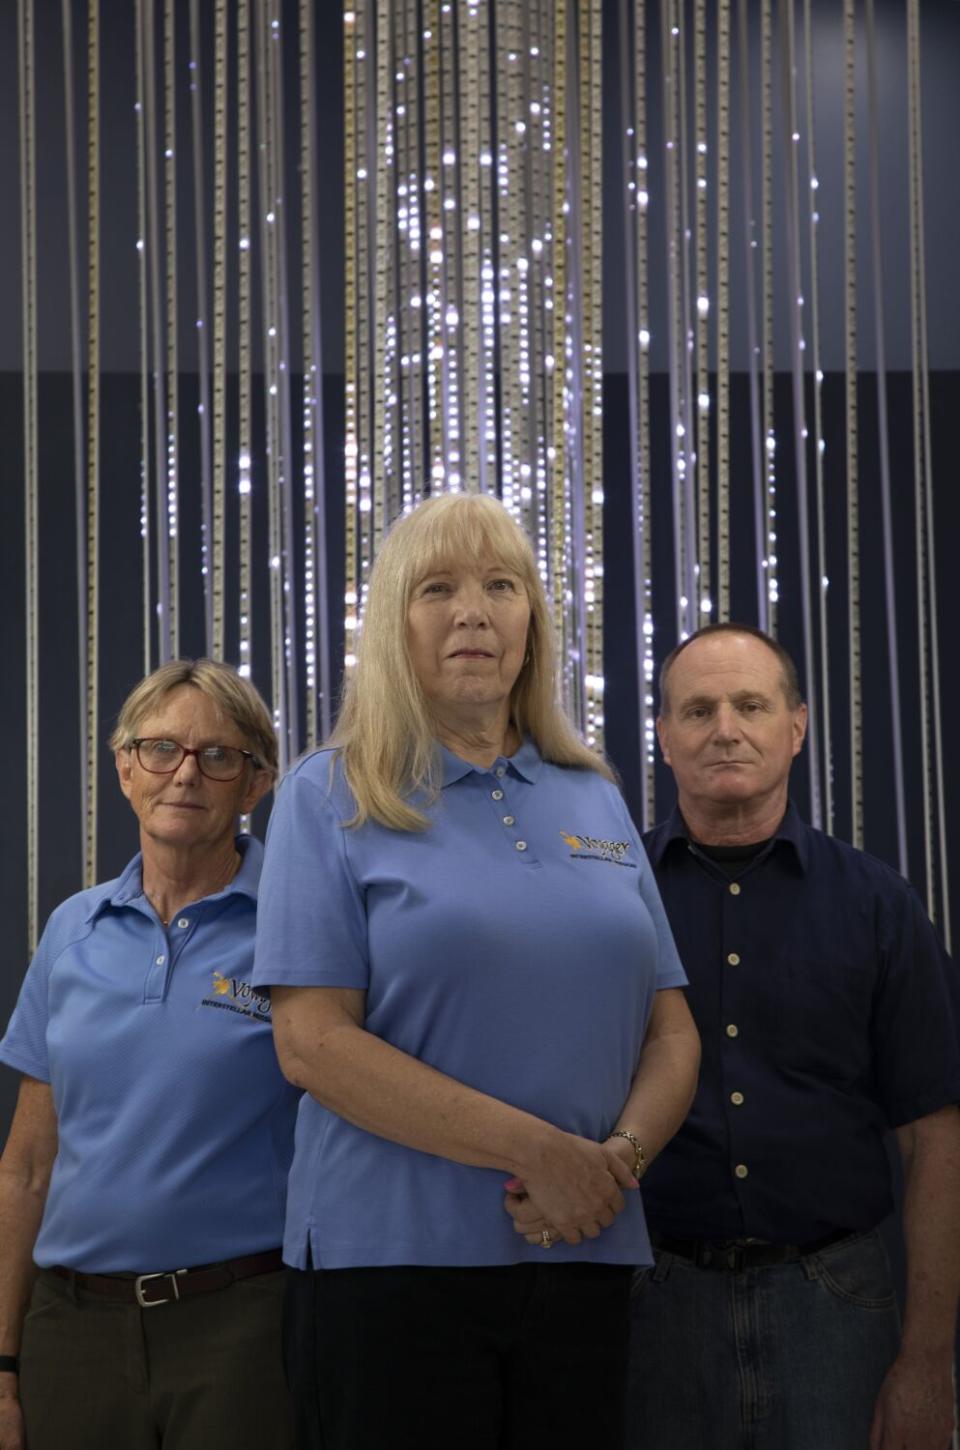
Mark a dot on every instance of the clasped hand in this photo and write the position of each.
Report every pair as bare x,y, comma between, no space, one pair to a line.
577,1191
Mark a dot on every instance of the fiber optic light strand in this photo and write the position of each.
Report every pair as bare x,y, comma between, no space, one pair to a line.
244,358
645,521
153,247
172,424
93,437
315,642
489,454
558,442
143,333
266,179
76,379
672,221
451,301
384,457
701,321
283,385
813,214
351,115
797,355
202,325
889,571
751,246
850,347
723,309
31,501
216,537
632,115
923,491
769,561
689,307
592,295
473,465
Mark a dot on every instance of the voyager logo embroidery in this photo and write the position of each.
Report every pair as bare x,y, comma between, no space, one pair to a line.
232,995
592,848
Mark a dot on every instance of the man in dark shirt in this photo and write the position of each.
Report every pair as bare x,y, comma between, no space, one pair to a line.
824,1004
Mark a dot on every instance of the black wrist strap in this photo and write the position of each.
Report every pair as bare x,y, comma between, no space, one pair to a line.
9,1364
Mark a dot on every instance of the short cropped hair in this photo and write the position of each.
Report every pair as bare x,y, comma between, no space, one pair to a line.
385,734
790,680
234,697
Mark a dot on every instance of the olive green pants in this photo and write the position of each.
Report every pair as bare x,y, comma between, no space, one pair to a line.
202,1374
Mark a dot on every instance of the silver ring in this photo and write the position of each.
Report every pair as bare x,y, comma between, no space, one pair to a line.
546,1241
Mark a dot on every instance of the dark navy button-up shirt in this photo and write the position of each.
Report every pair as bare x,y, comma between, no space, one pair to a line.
827,1012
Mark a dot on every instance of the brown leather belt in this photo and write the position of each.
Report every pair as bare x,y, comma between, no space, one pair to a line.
740,1254
150,1290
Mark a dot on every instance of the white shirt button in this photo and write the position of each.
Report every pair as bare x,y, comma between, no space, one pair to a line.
733,1030
737,1099
734,888
183,922
733,960
501,770
160,960
521,845
509,820
741,1170
497,795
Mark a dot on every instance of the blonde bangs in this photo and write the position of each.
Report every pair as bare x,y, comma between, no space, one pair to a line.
454,529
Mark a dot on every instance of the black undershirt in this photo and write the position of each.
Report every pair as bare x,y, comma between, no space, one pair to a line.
731,860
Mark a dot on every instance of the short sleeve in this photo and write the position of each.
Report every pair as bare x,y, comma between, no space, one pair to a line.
670,971
24,1044
915,1024
311,922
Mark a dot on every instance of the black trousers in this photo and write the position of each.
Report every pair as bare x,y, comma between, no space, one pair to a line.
514,1358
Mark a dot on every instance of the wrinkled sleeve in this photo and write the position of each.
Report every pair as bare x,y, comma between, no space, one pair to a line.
24,1044
916,1033
311,920
670,971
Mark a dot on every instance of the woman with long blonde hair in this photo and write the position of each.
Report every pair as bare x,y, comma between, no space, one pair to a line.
473,979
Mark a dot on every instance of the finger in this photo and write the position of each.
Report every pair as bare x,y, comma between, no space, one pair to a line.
616,1201
621,1173
528,1217
571,1236
605,1219
590,1230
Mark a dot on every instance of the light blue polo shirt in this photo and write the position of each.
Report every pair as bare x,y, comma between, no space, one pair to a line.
175,1123
515,945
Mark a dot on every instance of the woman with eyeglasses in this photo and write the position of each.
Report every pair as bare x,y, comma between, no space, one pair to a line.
143,1182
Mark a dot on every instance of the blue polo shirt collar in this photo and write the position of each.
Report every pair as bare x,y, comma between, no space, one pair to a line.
792,831
128,890
526,763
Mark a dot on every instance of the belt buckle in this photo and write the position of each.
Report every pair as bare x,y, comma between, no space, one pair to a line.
721,1254
142,1279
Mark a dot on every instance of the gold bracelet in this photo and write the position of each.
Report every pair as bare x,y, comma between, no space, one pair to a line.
640,1164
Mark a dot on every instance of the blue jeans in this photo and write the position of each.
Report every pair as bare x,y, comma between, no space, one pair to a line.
784,1358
